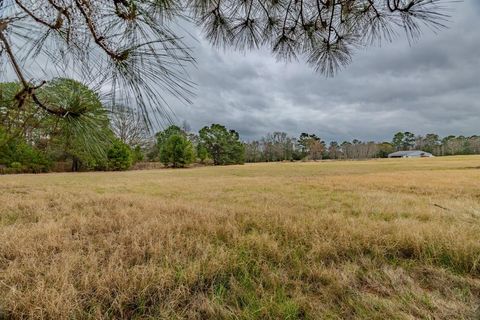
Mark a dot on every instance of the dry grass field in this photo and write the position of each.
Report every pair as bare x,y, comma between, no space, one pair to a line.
379,239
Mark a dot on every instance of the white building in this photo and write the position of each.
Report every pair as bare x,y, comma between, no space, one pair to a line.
410,154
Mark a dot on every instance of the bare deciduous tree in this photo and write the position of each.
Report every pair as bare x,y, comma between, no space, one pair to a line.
129,127
359,150
315,149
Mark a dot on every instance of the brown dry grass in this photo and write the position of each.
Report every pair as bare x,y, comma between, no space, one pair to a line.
389,239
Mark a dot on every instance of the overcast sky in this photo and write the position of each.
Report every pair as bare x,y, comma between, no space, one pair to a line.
430,86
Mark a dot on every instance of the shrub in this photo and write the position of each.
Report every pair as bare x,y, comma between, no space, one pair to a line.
87,160
22,157
137,154
202,153
119,156
15,165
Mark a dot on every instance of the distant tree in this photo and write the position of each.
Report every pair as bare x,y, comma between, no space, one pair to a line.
359,150
452,145
152,151
253,152
369,150
129,126
408,140
334,151
404,140
163,135
283,145
345,148
384,149
119,156
304,141
138,154
223,146
160,138
202,152
474,142
276,146
397,140
310,145
448,145
176,151
316,149
428,143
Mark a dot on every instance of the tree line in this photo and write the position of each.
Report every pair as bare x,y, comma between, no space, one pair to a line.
279,146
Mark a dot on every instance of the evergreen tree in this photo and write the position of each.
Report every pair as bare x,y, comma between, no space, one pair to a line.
176,151
224,146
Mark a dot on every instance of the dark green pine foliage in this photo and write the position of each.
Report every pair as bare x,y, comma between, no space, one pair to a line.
119,156
176,151
174,148
223,146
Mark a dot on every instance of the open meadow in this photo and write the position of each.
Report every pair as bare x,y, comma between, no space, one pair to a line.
378,239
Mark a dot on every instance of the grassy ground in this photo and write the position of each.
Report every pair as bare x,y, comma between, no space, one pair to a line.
380,239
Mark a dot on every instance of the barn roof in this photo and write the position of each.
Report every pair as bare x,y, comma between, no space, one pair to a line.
408,153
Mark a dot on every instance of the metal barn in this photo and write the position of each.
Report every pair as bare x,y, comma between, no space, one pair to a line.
410,154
